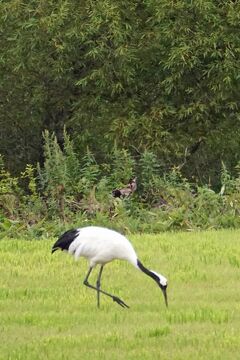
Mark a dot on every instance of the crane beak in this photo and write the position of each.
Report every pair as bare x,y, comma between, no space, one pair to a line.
164,291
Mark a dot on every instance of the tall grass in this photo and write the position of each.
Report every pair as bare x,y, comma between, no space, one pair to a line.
70,188
47,313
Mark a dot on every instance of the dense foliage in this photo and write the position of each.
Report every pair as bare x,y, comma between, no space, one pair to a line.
151,76
67,192
146,88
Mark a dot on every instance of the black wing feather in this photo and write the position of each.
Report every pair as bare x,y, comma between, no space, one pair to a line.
65,240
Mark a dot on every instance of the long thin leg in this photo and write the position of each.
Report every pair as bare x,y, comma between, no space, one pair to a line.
115,298
98,285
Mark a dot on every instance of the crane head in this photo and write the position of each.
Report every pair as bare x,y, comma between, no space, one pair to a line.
162,283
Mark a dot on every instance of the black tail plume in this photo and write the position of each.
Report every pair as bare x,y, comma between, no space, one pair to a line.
65,240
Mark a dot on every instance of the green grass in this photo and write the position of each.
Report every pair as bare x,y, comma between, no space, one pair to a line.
46,312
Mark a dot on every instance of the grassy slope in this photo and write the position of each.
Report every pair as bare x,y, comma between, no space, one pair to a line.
46,312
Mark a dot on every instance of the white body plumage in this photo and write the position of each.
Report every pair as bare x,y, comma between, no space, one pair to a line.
100,246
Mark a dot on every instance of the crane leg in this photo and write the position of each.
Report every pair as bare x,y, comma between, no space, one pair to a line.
115,298
98,285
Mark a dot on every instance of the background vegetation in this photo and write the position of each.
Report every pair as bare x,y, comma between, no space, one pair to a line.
67,191
146,88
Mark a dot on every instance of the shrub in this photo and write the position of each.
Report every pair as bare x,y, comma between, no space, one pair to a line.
69,190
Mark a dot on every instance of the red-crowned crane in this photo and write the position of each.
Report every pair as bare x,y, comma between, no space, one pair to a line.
100,246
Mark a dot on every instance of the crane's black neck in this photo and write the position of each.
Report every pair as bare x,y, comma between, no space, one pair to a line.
146,271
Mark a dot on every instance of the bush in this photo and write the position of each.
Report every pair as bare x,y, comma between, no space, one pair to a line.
69,191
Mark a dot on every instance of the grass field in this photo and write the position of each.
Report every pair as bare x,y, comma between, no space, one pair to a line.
46,312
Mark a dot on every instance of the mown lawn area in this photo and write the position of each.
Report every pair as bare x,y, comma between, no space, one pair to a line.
47,313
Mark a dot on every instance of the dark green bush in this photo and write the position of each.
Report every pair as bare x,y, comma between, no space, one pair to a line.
69,191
